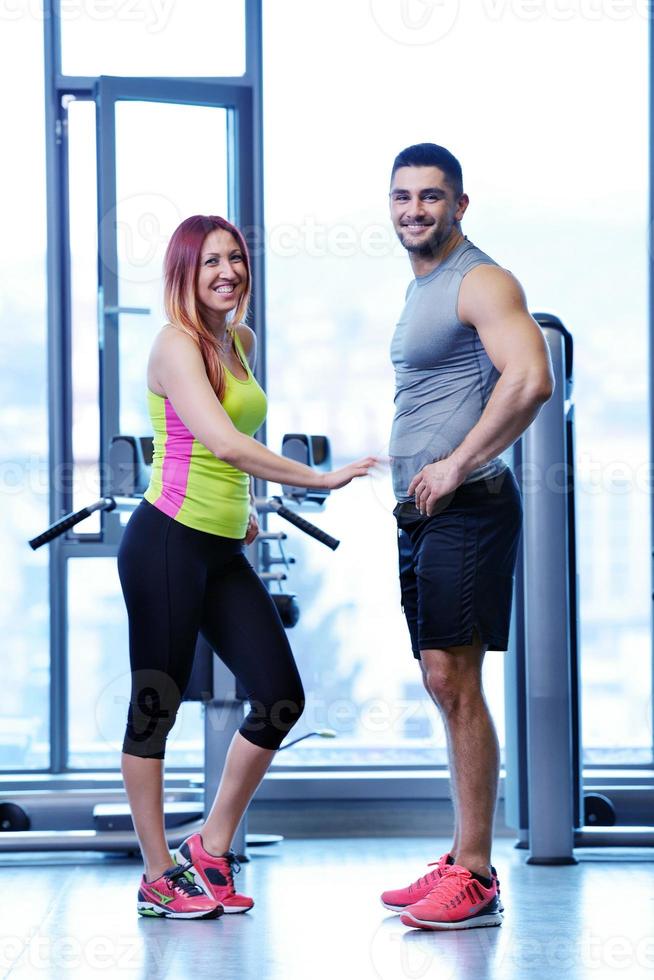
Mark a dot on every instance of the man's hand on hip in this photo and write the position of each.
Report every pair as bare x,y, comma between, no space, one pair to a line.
435,484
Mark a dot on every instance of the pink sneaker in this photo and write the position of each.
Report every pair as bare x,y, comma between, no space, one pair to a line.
215,875
174,896
397,900
457,901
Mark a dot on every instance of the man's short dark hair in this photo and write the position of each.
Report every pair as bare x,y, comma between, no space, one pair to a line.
432,155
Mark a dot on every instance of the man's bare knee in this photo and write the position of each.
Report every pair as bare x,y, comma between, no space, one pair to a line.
452,675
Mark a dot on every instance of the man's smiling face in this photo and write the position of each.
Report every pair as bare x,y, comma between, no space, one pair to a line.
424,208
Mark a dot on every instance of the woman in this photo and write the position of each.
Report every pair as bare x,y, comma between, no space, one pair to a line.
182,567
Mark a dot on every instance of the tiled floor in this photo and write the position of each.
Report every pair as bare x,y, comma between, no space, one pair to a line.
318,916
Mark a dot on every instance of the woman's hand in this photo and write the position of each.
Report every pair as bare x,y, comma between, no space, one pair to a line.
340,478
253,525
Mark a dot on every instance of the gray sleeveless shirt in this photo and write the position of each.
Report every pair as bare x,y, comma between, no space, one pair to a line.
443,375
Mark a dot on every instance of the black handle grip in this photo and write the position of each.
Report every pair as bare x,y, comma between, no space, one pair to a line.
310,529
70,520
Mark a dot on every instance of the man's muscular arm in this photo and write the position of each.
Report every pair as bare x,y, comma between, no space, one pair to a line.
493,301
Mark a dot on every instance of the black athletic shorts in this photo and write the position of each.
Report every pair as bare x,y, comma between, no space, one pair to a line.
457,566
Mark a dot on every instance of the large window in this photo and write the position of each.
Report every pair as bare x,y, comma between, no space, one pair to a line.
24,720
554,155
169,147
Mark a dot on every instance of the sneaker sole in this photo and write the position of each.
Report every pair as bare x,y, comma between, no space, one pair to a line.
156,912
393,908
199,881
494,919
401,908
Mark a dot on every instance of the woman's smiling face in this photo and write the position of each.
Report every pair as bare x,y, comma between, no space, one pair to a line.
222,273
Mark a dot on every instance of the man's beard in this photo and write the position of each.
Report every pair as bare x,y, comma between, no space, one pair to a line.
428,248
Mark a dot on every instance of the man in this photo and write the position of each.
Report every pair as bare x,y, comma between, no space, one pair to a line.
472,371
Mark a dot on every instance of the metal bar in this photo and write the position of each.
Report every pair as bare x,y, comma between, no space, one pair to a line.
52,12
88,549
254,71
632,793
108,287
549,741
138,310
650,311
59,379
516,809
576,733
196,91
84,85
233,175
87,840
614,837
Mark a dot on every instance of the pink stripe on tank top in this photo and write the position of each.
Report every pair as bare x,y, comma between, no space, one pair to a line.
176,462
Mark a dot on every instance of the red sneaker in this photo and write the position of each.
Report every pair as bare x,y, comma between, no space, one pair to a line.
215,875
398,899
457,901
174,896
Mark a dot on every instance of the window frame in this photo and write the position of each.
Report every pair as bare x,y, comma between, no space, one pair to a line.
242,96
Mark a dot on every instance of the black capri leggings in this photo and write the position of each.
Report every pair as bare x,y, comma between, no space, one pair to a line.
177,582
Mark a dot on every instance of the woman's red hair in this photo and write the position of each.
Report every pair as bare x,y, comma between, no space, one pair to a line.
181,264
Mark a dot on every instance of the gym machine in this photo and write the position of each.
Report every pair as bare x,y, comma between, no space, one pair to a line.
107,826
544,796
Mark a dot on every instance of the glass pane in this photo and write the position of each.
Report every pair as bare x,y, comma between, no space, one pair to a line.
84,307
187,39
99,675
615,625
156,188
547,202
24,615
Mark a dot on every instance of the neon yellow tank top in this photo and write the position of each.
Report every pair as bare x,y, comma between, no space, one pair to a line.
189,483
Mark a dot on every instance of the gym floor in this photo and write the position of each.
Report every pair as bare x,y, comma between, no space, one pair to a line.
317,915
